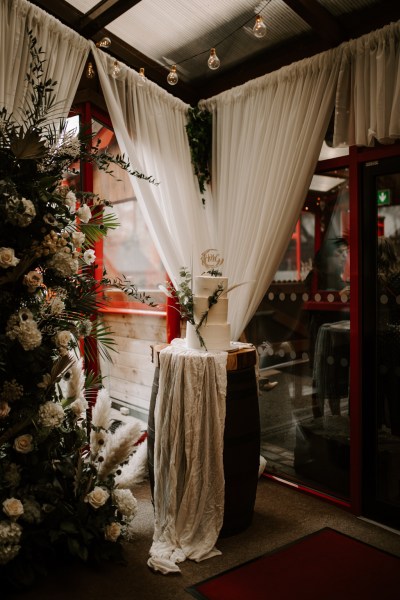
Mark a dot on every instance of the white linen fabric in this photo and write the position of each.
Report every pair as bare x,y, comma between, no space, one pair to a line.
267,135
149,125
368,91
65,53
266,141
189,421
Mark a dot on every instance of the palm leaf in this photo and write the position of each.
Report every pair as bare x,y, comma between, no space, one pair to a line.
98,227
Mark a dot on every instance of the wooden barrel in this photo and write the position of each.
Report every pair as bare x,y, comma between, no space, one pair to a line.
241,439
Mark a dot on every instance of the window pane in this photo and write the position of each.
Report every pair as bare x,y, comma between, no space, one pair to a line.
128,250
302,332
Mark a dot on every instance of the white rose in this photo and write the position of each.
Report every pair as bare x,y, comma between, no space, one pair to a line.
13,508
89,257
24,443
33,280
84,213
97,497
112,532
8,258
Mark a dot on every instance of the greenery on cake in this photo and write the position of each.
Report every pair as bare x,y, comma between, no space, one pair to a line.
183,296
63,491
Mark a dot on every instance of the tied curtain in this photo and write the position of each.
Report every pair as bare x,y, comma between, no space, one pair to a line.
64,51
149,125
267,136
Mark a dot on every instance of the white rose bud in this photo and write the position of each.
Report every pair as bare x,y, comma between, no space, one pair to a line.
24,443
13,508
97,497
8,258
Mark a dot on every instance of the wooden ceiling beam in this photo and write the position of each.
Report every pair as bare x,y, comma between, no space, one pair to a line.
102,14
321,21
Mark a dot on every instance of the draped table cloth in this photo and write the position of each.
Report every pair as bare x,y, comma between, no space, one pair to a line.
189,421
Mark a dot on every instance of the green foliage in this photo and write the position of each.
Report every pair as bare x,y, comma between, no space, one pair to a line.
50,302
199,132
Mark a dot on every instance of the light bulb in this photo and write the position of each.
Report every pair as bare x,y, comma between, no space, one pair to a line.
213,61
260,28
142,79
116,69
105,42
90,72
172,77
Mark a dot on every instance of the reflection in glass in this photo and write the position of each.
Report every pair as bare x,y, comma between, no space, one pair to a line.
388,339
302,332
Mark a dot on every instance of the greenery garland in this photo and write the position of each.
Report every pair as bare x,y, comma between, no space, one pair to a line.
199,132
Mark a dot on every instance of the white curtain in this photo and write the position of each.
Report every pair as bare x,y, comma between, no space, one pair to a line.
266,141
368,93
149,125
64,51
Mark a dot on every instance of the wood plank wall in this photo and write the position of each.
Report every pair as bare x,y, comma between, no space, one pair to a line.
129,377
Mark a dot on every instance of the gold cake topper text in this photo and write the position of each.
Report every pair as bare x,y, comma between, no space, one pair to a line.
211,259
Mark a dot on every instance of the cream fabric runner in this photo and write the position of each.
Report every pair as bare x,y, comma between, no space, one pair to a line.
188,456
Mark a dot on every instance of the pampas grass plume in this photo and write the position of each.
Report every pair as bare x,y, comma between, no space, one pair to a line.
135,470
118,447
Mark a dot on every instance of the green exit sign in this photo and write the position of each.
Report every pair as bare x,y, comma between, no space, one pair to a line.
383,197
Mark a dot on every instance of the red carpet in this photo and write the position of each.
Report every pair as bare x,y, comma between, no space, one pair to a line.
326,565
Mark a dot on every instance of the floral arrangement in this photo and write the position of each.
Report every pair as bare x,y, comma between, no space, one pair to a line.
65,476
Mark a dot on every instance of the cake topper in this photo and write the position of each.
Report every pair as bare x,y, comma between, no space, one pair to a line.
211,260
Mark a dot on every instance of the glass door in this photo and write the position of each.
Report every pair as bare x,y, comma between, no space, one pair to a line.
381,340
302,333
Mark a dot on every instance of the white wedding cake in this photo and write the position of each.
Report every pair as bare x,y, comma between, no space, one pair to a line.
215,331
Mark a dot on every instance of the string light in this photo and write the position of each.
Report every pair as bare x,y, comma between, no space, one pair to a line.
173,76
213,61
142,78
90,72
116,69
105,42
260,28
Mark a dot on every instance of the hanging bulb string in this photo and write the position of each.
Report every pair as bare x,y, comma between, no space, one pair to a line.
226,37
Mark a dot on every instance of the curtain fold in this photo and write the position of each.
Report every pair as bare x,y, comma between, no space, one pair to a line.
368,91
64,51
149,125
266,141
267,135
